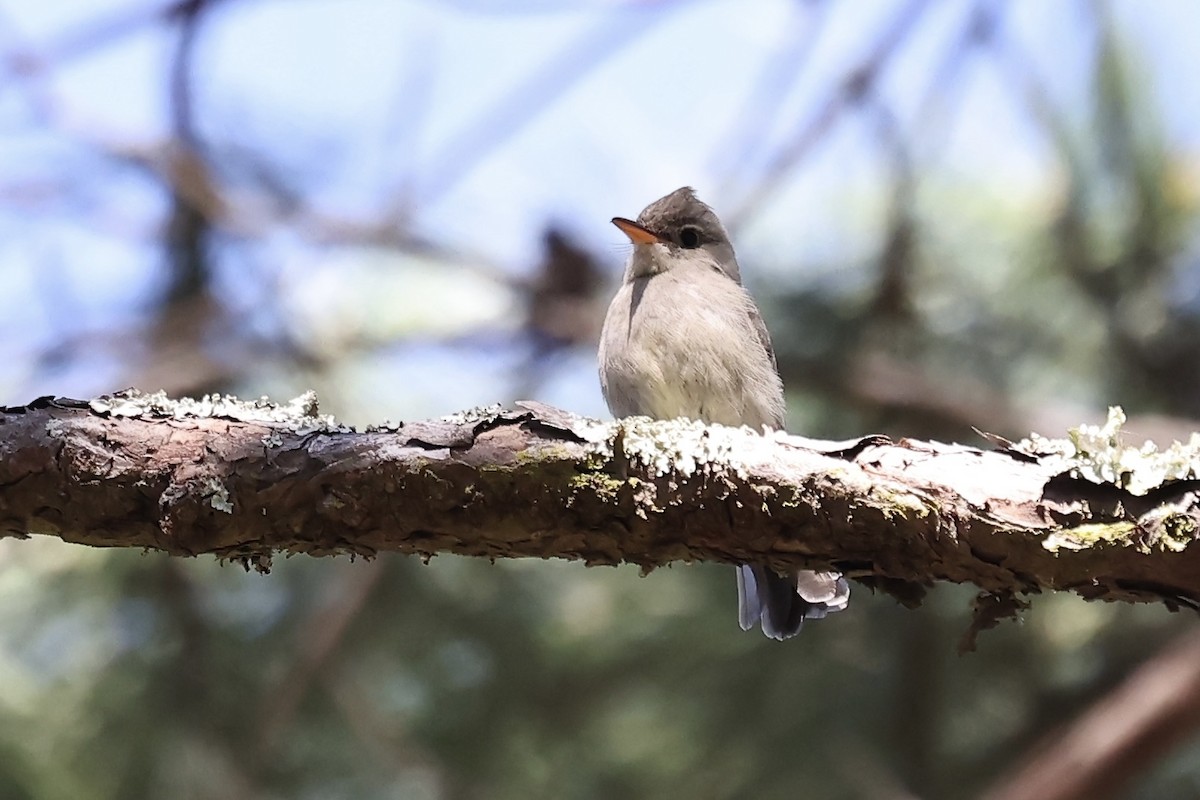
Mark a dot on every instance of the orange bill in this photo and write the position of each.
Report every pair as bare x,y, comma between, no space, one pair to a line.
636,233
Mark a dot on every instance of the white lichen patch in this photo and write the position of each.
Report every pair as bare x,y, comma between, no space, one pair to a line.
1097,454
216,494
1170,527
1082,537
688,447
301,414
474,415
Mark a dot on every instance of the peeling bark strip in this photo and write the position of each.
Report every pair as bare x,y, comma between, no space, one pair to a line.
246,480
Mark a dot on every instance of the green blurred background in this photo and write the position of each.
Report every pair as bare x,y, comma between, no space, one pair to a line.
953,214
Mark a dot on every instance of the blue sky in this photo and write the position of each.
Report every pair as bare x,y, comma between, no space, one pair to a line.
436,79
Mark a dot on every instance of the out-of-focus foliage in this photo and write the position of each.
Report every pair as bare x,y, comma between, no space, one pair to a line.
953,214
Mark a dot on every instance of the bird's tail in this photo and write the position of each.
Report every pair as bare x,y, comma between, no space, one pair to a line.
782,603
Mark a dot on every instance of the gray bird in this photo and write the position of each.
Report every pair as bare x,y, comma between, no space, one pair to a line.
683,338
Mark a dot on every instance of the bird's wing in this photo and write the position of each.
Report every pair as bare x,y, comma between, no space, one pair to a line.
764,338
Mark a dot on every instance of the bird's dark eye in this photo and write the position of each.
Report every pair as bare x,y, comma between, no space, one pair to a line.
689,237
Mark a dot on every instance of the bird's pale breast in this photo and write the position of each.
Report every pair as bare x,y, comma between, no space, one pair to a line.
683,344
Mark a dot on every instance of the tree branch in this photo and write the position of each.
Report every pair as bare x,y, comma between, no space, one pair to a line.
1097,755
246,480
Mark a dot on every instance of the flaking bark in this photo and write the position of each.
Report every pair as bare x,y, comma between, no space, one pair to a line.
245,481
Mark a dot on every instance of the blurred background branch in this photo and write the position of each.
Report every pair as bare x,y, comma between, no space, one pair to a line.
1099,754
